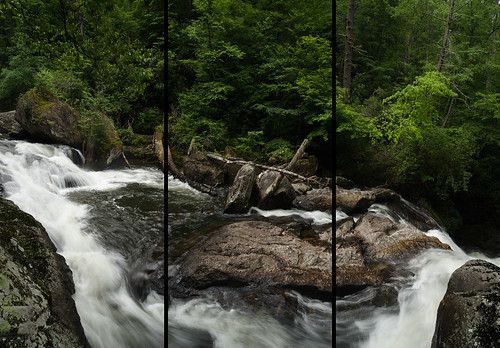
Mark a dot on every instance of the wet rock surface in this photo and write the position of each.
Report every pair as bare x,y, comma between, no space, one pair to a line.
373,249
468,315
36,285
255,253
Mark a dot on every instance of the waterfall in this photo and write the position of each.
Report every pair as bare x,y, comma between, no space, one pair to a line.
411,322
38,178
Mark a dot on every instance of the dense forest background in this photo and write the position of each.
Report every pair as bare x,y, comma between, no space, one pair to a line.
417,106
97,55
251,78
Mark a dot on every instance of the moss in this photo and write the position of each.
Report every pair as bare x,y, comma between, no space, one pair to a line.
4,326
4,281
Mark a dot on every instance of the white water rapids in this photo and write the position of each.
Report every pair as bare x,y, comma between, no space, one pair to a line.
215,321
411,322
38,179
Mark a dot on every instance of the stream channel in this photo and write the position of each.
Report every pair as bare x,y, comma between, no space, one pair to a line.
219,318
106,224
410,322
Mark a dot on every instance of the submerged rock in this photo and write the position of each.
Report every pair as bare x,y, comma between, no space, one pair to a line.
255,253
36,286
468,315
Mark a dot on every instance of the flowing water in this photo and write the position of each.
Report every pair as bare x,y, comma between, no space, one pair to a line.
106,225
410,322
220,318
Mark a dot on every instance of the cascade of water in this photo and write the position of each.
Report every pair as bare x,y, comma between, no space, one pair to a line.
411,322
209,321
37,178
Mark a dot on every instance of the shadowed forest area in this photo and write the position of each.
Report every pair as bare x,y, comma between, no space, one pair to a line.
417,106
251,78
97,56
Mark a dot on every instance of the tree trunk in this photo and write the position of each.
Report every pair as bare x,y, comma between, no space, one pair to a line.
349,44
446,37
171,164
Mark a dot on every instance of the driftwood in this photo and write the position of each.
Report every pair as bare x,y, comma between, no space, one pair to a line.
285,171
237,161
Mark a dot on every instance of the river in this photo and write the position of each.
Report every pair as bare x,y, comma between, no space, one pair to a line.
219,318
411,321
106,225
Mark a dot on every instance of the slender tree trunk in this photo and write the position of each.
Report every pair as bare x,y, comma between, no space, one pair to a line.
349,44
446,37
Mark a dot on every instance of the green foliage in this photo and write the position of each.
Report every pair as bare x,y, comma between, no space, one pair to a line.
62,84
251,146
348,120
19,75
147,121
208,134
441,163
414,108
279,151
99,50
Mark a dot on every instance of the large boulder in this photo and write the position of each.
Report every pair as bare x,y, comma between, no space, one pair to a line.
374,248
201,169
8,124
358,201
255,253
353,201
239,196
468,314
36,287
102,146
47,119
282,197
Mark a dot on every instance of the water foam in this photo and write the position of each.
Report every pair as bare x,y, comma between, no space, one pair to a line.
37,180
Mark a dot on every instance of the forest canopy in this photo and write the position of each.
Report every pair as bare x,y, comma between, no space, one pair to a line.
417,102
252,77
98,56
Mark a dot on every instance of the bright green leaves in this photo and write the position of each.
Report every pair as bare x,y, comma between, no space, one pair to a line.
314,83
441,163
415,107
351,121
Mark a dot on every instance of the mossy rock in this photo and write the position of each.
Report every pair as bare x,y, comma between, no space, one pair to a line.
47,119
36,287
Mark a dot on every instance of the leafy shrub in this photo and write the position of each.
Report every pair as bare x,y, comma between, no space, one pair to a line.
147,121
279,151
251,146
63,84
